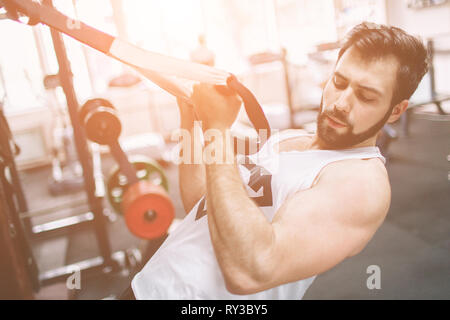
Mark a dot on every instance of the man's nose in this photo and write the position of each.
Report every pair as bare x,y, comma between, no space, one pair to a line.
344,102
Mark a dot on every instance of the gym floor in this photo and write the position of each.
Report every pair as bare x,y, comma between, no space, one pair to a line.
411,248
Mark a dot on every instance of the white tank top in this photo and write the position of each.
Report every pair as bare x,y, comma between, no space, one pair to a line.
185,266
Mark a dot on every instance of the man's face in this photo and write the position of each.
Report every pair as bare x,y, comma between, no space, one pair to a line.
356,101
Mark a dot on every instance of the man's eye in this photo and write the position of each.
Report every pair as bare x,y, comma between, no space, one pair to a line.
365,98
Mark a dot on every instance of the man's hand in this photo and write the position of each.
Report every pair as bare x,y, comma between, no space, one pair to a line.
216,106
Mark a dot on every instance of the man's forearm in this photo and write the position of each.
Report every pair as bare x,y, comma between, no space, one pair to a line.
241,234
191,171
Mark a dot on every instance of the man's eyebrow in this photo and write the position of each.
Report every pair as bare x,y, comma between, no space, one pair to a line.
371,89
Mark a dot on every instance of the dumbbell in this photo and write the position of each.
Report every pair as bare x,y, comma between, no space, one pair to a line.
147,208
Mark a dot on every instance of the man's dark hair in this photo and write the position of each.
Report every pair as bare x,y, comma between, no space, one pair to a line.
375,41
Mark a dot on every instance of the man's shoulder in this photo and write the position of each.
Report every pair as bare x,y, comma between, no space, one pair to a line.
366,181
371,171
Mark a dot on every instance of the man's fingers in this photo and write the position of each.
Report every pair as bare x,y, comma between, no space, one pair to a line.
209,92
224,90
204,88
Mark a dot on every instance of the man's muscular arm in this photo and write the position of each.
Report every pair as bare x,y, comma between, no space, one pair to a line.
313,231
240,233
191,175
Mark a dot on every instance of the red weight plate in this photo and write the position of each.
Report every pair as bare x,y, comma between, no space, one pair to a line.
148,210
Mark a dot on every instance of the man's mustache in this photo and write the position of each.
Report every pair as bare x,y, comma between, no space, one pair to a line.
338,116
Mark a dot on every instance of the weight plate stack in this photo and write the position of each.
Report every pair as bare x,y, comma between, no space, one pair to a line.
146,169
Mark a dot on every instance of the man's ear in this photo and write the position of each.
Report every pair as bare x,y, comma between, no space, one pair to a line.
398,111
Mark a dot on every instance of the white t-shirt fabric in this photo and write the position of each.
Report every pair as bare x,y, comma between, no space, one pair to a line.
185,266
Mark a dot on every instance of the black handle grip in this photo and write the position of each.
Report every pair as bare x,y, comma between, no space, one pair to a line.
254,111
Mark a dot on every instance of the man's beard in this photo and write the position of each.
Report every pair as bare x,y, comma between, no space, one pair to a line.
334,140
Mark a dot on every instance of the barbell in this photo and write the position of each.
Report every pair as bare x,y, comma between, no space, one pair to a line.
132,188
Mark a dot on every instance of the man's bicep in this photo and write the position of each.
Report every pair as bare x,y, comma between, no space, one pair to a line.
318,228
